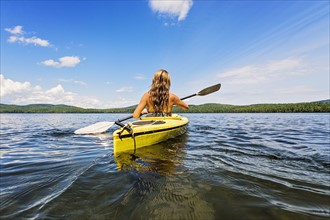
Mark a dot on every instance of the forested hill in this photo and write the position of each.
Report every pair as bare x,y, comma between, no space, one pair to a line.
322,106
38,108
260,108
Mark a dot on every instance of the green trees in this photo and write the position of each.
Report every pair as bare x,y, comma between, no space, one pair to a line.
205,108
259,108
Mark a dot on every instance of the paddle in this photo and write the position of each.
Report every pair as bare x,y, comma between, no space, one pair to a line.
101,127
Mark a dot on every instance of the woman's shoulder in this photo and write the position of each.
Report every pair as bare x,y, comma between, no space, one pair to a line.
173,96
146,94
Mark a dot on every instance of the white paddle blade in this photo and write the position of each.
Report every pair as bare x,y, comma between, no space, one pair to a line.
96,128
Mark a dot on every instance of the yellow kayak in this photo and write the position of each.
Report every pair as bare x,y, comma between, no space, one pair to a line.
148,131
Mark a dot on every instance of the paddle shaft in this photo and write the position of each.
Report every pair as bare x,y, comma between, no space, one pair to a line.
205,91
124,119
189,96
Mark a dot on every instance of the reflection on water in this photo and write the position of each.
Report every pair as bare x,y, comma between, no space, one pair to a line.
155,196
166,157
165,193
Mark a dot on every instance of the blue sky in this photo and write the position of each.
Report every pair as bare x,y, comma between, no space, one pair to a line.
103,54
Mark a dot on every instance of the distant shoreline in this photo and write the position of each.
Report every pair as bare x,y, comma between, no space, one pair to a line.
310,107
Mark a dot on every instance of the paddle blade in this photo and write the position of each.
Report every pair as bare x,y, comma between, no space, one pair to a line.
209,90
96,128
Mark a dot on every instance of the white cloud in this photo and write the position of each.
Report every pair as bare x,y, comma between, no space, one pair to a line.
68,61
294,79
17,36
15,30
33,40
9,86
121,102
140,77
125,89
266,72
57,90
178,8
82,83
23,93
79,82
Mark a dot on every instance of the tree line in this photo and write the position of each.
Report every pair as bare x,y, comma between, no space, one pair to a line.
204,108
260,108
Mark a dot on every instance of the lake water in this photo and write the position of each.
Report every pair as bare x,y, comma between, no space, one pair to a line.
227,166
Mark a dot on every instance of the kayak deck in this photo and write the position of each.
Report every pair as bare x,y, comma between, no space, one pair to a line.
148,131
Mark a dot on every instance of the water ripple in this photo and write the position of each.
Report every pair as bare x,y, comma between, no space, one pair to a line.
260,166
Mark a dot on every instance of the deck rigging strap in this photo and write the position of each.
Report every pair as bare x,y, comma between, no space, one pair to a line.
133,136
129,129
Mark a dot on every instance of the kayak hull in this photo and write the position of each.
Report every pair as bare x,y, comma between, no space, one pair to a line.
148,131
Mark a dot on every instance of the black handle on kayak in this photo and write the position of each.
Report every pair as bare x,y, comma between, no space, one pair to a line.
127,128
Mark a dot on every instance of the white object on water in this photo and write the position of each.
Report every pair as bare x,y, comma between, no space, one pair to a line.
96,128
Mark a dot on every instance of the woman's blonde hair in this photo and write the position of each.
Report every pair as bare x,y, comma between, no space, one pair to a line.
160,91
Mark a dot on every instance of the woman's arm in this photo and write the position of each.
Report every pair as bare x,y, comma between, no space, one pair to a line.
140,107
177,101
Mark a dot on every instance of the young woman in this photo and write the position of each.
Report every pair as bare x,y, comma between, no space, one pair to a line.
158,99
